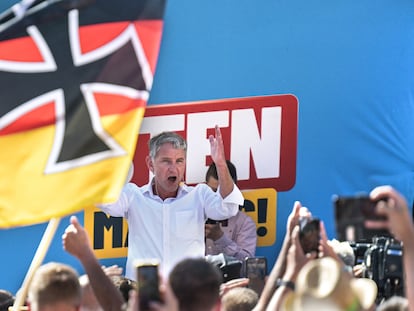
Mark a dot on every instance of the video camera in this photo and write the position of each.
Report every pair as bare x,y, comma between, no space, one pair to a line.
383,264
376,249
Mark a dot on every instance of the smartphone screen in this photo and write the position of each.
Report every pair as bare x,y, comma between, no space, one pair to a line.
309,234
148,284
350,214
255,271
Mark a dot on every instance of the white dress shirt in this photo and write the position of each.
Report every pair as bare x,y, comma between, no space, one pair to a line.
173,229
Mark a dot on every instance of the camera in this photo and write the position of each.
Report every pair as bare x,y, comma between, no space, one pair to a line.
359,250
224,222
383,263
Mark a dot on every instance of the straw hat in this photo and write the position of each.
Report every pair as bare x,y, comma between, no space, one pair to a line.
323,284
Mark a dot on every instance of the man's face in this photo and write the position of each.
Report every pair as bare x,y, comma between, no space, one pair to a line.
168,168
213,183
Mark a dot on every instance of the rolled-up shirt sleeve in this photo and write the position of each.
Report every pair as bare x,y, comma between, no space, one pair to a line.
235,197
223,208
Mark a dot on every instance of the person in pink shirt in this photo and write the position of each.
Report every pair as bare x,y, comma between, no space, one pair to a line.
235,236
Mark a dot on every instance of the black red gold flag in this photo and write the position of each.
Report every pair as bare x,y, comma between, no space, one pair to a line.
75,77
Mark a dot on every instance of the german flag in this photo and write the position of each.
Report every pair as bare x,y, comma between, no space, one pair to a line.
75,78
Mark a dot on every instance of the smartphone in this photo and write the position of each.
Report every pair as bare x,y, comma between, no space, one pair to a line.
148,283
361,205
255,271
350,214
309,234
366,205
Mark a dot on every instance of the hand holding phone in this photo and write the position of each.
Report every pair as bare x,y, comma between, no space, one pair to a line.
255,271
351,213
148,283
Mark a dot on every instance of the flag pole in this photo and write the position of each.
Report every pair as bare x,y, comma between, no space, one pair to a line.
36,262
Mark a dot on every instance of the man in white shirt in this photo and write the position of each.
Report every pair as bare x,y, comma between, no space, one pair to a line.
166,217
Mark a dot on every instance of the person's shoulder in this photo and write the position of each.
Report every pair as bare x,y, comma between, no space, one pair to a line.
200,189
134,189
133,185
202,185
197,187
184,189
242,216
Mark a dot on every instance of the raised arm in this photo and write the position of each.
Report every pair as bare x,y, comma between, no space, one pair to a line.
76,242
296,259
280,264
226,183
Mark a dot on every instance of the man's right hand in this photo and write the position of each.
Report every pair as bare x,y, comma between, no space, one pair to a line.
75,239
395,209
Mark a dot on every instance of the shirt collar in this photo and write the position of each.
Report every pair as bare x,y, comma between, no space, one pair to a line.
182,189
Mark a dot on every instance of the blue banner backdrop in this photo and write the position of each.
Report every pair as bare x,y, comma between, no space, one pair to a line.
349,64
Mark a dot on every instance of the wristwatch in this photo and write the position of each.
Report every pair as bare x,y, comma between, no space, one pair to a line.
288,284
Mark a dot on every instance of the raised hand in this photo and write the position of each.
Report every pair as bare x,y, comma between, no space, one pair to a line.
293,218
398,219
75,239
296,258
217,147
76,242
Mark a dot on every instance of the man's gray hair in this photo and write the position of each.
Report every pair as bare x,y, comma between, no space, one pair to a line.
172,138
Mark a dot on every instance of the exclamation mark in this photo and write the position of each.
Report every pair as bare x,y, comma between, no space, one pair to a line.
261,216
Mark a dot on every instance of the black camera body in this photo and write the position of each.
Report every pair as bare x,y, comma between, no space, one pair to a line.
224,222
359,249
383,260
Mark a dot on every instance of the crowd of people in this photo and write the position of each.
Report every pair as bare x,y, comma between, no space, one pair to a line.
167,221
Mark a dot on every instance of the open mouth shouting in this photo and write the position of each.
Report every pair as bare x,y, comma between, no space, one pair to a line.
172,179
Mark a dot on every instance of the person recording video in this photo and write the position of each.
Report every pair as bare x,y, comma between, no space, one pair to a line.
398,221
235,236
